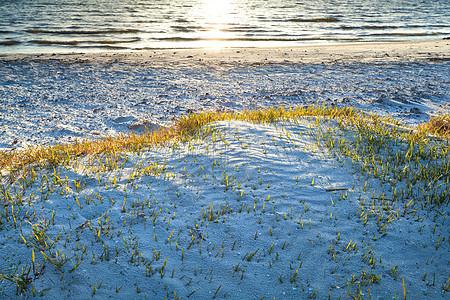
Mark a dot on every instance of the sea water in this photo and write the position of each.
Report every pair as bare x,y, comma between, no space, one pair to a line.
96,25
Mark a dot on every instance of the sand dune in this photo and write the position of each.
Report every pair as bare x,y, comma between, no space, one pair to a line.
286,210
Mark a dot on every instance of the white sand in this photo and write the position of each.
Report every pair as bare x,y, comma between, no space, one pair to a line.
48,98
284,203
282,193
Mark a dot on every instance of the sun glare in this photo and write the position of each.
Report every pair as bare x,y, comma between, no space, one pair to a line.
218,17
216,6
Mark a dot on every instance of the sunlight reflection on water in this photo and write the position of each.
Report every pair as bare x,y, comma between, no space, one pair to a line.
93,25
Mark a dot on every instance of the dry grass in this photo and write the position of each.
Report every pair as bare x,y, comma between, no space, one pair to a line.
51,156
438,126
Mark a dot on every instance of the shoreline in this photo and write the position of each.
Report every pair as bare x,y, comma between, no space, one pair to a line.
434,50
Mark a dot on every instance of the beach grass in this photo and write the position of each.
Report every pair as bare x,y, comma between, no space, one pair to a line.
396,175
187,126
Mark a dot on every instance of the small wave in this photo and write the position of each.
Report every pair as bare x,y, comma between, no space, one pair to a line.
243,39
82,32
179,38
74,43
405,34
316,20
104,47
45,42
185,28
380,27
9,43
251,29
5,32
376,27
430,25
369,27
112,42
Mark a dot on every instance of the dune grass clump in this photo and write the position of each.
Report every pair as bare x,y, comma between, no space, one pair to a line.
438,126
59,154
394,155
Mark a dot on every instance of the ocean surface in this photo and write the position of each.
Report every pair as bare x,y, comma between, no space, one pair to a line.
96,25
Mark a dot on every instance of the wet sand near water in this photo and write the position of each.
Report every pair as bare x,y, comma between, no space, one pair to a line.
434,50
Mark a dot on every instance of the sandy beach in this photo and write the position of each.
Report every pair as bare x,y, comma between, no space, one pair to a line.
248,211
48,98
